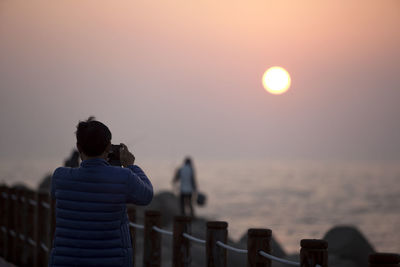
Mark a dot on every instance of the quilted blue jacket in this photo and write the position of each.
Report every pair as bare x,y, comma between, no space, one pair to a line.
92,227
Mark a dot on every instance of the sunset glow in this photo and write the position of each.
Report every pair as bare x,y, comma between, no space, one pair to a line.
276,80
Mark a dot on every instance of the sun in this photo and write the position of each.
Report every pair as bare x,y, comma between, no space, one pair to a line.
276,80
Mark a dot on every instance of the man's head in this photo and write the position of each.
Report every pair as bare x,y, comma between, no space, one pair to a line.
93,138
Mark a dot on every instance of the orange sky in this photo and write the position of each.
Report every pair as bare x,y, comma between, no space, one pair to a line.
188,76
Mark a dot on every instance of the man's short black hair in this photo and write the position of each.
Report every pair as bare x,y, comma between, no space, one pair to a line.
92,137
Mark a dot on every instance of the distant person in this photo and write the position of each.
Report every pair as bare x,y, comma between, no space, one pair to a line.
92,226
187,178
73,160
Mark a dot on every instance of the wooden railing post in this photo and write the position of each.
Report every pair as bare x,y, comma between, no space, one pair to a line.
11,242
181,246
132,218
43,222
3,220
312,252
31,227
216,255
384,260
258,240
152,239
20,223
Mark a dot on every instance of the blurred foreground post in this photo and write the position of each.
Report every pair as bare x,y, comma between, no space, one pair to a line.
132,230
216,255
3,220
11,238
152,239
42,221
181,246
31,227
384,260
312,252
20,223
258,239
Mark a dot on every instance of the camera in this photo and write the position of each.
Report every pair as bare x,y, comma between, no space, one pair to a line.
113,155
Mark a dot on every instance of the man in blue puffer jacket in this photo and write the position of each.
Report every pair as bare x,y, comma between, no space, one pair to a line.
92,227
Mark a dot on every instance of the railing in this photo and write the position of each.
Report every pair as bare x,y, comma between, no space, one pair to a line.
27,225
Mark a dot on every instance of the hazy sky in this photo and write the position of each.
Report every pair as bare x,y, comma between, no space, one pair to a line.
172,78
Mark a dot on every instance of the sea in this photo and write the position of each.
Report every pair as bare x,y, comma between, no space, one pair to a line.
296,199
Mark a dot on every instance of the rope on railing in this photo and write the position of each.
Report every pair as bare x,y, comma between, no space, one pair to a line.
31,242
155,228
32,202
44,247
45,205
195,239
21,236
136,225
264,254
219,243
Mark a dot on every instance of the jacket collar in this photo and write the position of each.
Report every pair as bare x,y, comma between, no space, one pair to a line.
94,162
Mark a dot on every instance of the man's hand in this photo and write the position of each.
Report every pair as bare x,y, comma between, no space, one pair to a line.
126,157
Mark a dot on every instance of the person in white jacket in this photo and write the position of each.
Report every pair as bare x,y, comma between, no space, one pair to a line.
187,178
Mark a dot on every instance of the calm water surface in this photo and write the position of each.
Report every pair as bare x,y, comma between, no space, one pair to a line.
296,199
